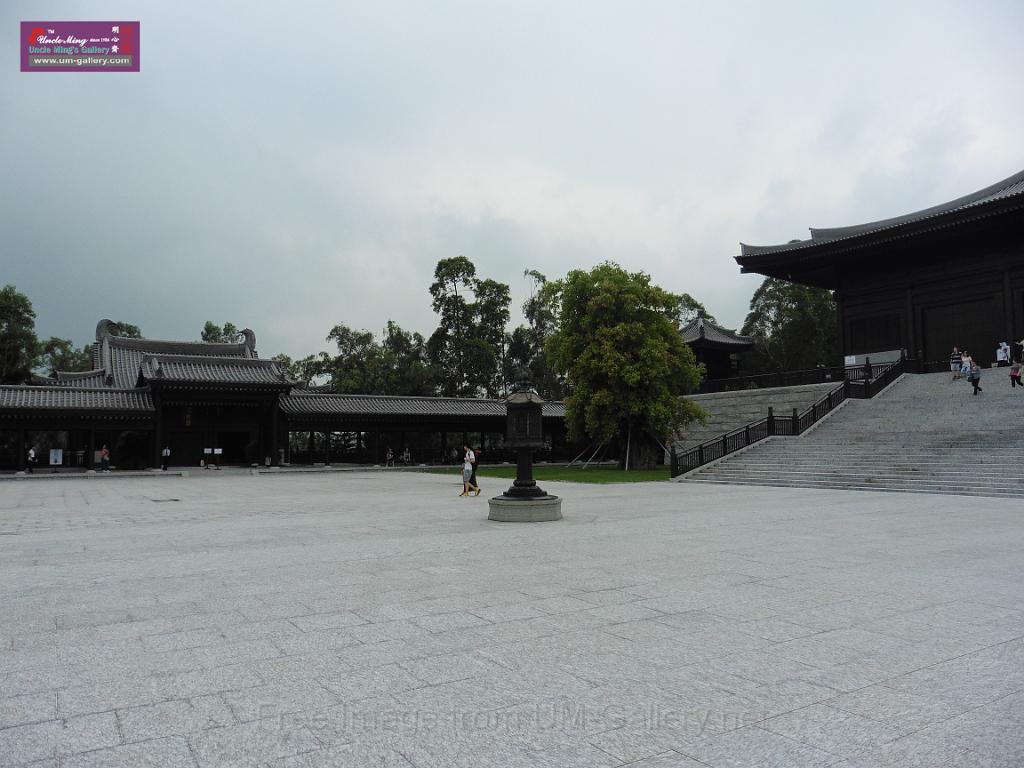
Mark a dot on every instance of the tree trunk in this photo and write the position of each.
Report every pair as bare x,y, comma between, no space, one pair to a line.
644,451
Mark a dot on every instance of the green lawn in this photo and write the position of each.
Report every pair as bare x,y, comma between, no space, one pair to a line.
573,474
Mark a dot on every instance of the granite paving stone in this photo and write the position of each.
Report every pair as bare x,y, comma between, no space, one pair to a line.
340,618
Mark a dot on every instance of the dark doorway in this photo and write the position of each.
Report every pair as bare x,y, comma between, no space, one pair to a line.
973,326
235,446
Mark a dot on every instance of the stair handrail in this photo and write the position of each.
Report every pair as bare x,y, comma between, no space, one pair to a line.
784,426
754,432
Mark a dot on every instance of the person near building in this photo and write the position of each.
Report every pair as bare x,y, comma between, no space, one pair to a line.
407,456
1002,358
389,458
1015,369
476,462
165,454
104,459
468,462
974,377
955,363
30,465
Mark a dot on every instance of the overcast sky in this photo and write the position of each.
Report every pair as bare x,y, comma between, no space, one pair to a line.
290,166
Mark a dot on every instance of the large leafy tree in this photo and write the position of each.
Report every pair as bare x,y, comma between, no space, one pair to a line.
305,370
397,365
467,346
618,344
18,343
225,334
61,355
126,330
525,345
794,327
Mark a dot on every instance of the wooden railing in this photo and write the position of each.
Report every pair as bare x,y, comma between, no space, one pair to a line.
785,426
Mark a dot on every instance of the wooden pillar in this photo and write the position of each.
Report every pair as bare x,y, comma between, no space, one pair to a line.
90,453
158,431
327,449
275,455
22,449
841,323
312,458
1008,312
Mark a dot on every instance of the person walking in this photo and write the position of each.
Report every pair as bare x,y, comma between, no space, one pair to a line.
1015,369
955,363
468,462
165,455
30,465
389,458
975,377
476,462
104,459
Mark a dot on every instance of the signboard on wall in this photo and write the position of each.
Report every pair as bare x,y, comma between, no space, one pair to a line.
56,457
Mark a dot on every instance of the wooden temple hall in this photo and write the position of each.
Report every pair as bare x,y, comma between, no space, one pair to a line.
223,404
920,283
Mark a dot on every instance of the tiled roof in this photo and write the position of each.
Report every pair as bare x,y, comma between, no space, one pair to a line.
122,357
314,404
206,369
702,329
68,398
1002,190
89,379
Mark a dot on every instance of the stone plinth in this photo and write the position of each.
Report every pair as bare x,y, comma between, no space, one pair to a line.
535,509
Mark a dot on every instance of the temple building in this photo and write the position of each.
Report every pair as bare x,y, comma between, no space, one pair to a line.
920,283
223,404
717,347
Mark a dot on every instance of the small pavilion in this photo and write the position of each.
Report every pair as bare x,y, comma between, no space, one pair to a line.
717,347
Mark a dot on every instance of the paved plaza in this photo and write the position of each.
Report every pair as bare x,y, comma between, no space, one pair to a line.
374,619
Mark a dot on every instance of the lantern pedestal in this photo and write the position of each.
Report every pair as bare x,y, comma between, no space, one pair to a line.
531,509
524,502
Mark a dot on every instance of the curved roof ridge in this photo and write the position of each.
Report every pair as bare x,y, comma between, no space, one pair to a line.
1008,187
993,190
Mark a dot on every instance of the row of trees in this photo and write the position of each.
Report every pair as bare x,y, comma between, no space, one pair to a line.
605,340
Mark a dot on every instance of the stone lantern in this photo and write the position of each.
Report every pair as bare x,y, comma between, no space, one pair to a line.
524,501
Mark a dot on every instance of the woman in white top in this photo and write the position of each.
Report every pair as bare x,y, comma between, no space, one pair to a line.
467,472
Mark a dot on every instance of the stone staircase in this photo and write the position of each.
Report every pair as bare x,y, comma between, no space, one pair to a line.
925,433
732,410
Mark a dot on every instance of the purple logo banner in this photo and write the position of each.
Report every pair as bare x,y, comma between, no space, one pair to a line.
79,46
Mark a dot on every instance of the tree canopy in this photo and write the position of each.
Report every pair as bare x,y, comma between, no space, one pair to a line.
127,330
626,365
794,327
18,343
57,354
229,333
468,346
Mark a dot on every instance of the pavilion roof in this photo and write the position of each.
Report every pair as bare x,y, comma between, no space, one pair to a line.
207,369
703,332
1007,194
301,402
29,397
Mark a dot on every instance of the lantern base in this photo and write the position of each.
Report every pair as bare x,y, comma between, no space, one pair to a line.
535,509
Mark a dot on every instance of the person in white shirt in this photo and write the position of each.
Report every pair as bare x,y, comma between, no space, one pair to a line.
468,461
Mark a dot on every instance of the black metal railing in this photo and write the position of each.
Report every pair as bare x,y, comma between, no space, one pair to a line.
785,426
821,375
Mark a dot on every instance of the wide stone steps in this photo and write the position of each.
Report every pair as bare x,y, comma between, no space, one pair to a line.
938,488
920,435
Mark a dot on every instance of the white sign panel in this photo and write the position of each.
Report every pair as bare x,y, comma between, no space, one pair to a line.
56,457
850,360
218,451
